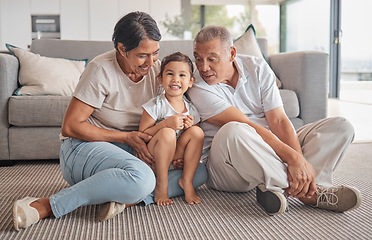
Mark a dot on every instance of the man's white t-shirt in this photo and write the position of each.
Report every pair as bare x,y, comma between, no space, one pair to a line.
117,99
255,93
159,109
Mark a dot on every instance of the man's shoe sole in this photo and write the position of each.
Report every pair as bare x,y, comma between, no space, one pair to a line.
272,202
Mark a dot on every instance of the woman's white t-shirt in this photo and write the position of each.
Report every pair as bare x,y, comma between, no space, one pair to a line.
117,99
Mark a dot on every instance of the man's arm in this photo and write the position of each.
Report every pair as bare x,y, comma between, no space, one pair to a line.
280,125
301,174
233,114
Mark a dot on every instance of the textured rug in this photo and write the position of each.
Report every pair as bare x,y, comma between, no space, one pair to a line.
221,215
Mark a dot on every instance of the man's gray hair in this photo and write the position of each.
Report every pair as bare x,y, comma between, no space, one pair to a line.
209,33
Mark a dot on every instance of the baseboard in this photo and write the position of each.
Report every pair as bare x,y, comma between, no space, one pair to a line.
7,163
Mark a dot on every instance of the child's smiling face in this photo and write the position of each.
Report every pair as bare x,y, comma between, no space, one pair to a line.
176,78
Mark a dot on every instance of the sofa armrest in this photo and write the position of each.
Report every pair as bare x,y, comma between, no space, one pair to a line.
8,84
306,73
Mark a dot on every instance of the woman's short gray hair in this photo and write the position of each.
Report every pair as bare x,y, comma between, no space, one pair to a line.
209,33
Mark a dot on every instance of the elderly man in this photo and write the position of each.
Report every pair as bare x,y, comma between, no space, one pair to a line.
250,142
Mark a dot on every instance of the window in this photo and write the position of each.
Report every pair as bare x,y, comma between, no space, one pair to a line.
236,18
356,55
307,25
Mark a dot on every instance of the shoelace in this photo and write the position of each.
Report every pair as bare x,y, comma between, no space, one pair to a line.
327,196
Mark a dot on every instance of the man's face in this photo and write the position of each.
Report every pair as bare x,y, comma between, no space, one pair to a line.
213,60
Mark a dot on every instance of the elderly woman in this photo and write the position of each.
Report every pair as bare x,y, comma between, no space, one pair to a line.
103,155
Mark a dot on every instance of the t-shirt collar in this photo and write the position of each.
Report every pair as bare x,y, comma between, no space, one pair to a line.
242,74
239,66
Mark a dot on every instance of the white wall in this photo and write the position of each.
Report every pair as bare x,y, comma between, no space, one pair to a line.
80,19
102,15
74,19
135,5
159,8
15,21
45,7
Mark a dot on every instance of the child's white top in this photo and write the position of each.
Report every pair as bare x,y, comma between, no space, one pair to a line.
159,109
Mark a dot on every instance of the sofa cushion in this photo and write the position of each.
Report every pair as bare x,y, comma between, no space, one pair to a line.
33,111
290,103
168,47
71,49
247,44
297,122
40,75
34,143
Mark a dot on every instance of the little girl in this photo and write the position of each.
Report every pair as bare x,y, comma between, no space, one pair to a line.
170,118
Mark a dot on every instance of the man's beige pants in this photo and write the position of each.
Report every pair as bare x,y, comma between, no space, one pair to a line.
239,159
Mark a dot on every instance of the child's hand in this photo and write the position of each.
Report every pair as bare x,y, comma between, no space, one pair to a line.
188,121
176,121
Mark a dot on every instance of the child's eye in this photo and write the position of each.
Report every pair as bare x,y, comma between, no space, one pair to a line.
170,74
182,75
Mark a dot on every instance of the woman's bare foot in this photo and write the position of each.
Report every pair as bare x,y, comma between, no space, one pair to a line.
190,194
161,195
42,205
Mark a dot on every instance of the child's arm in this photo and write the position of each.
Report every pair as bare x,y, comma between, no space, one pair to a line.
147,123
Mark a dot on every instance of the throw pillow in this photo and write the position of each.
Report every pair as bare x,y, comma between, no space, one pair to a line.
247,44
40,75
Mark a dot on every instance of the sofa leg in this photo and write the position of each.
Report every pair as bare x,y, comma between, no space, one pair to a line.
7,163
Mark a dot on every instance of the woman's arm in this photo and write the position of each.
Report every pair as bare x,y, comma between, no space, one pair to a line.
75,125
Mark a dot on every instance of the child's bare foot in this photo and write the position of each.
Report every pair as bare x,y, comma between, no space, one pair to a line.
161,196
190,194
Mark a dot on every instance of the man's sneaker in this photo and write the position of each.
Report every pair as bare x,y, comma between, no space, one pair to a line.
272,202
338,199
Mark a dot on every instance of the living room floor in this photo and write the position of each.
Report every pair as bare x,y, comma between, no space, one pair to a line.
355,104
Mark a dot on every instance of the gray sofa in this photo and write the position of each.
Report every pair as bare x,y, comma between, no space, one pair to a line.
30,125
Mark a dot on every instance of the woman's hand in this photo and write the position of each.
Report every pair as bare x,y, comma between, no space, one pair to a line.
301,178
138,140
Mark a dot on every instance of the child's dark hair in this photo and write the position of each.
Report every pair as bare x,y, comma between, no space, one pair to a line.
176,57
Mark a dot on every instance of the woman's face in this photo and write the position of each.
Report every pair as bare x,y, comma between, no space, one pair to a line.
138,61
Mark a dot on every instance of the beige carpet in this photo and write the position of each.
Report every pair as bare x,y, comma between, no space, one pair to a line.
220,216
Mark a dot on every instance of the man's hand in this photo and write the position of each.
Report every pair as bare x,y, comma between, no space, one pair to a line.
301,178
138,140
